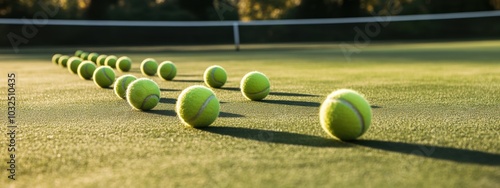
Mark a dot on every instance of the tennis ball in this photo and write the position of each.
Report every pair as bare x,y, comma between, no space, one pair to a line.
197,106
55,58
149,67
345,114
255,86
143,94
122,84
167,70
215,76
101,60
63,60
110,61
73,63
78,53
84,55
104,76
86,70
124,64
93,57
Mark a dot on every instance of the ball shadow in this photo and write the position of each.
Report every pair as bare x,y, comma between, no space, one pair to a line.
293,94
276,137
229,115
188,81
230,88
435,152
168,100
292,103
375,106
163,89
162,112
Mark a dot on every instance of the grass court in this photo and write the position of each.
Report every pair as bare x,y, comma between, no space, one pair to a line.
435,119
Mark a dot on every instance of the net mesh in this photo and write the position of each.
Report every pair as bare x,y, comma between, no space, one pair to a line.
461,28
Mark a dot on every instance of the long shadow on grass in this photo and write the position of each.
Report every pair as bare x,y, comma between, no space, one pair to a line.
292,103
436,152
276,137
162,112
188,81
275,93
230,115
168,100
163,89
230,88
292,94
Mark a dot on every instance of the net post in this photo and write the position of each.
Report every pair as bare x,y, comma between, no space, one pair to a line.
236,32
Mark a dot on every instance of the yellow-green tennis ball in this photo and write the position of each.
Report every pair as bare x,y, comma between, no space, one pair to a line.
345,114
86,70
215,76
110,61
122,84
143,94
84,55
197,106
255,86
63,60
167,70
124,64
149,67
73,63
55,58
93,57
101,60
104,76
78,53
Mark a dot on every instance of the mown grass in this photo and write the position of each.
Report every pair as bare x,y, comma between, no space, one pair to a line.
435,120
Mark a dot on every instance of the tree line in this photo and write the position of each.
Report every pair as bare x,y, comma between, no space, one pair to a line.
203,10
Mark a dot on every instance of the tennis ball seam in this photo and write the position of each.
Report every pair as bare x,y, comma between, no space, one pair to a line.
260,92
124,81
106,75
356,111
171,70
212,75
86,69
147,98
202,108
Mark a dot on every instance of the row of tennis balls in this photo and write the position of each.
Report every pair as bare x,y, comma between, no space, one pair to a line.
345,114
255,86
166,70
144,94
149,67
123,64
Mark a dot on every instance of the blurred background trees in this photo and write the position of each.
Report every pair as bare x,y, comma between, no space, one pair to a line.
245,10
235,9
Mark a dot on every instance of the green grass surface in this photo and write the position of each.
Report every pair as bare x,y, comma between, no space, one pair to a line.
435,120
